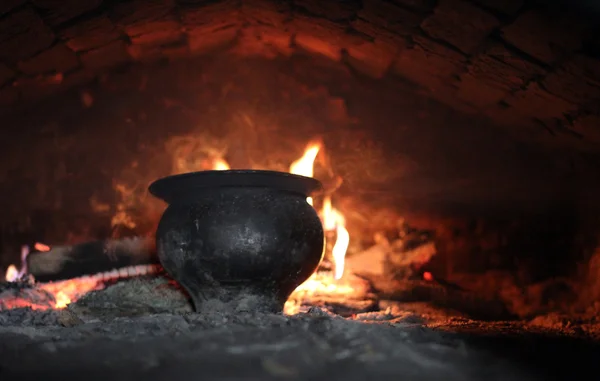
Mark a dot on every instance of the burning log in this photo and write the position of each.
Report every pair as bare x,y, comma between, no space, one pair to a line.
66,262
400,259
57,295
443,295
394,269
24,294
406,261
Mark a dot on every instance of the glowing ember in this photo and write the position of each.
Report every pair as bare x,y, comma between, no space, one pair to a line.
41,247
56,295
319,284
59,294
66,291
62,300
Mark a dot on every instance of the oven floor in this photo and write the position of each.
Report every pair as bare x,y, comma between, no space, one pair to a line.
312,346
140,331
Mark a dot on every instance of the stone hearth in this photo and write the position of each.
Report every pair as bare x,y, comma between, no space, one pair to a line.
142,328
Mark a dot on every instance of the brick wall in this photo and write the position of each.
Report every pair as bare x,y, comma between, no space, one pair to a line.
520,65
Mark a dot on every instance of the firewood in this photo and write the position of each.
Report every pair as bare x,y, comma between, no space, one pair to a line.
65,262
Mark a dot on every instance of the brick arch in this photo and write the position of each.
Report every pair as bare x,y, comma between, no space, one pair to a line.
509,60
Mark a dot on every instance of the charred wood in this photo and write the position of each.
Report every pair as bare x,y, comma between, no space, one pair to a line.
441,295
65,262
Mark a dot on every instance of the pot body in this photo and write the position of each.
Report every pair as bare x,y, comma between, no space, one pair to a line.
240,248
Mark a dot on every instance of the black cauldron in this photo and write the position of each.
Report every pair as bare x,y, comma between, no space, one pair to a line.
239,240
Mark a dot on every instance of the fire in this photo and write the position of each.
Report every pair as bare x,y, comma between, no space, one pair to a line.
12,274
62,300
332,219
220,165
319,284
61,293
340,247
333,224
64,292
305,165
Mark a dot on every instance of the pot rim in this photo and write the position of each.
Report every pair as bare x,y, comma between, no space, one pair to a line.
174,187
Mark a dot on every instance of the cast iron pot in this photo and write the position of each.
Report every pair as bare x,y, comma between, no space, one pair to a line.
240,240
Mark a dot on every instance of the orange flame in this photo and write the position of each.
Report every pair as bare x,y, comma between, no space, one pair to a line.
305,165
340,247
70,290
220,165
333,220
12,273
62,300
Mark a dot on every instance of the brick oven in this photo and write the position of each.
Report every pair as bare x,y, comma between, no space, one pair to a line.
457,142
